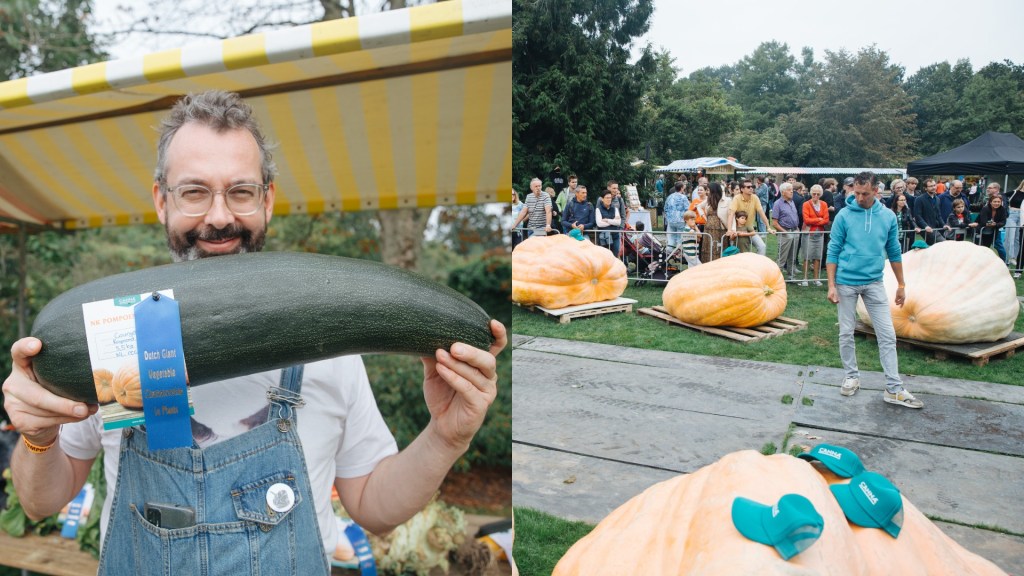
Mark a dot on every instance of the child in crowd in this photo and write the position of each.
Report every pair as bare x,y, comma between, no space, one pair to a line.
958,223
647,246
689,243
744,231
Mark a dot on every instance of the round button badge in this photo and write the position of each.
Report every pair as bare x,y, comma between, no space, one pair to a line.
280,497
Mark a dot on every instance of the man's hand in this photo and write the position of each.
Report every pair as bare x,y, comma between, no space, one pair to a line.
34,411
459,386
833,294
901,296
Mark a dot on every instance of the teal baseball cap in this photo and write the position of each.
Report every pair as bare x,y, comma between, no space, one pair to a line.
730,251
840,460
790,526
870,500
576,234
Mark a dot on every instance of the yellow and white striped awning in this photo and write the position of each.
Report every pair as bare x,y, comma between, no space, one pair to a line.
408,108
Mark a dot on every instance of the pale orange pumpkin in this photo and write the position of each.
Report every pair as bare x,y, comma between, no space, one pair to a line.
558,271
684,526
742,290
127,387
104,381
956,293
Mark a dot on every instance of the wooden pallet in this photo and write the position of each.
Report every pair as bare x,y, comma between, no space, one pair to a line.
978,353
777,327
567,314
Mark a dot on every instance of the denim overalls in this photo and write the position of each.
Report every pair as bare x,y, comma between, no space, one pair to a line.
254,510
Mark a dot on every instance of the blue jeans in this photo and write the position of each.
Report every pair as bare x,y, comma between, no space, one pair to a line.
228,486
674,230
610,238
1013,232
877,303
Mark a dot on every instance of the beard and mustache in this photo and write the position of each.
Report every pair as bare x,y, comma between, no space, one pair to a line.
184,247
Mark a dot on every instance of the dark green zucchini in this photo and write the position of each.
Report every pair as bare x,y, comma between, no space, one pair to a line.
249,313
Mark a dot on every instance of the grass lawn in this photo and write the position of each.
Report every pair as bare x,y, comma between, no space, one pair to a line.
817,345
542,539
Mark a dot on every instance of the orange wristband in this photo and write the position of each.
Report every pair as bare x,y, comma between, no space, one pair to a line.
38,449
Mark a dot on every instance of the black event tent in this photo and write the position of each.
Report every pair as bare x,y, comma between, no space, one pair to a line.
990,153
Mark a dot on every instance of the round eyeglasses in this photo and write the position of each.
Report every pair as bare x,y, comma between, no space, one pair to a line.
196,199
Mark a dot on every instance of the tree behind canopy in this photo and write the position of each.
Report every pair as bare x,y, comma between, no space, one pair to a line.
937,91
37,36
575,95
860,115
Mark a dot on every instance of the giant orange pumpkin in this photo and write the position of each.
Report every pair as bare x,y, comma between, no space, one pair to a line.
558,271
742,290
957,293
684,526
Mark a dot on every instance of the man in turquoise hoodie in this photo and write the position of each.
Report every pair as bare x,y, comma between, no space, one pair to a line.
863,237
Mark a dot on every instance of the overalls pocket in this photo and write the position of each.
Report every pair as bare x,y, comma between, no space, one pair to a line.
183,550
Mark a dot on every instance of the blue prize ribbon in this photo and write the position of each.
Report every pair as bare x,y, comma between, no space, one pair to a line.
162,373
356,536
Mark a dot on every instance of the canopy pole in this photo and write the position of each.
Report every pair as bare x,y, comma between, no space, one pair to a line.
22,266
1006,184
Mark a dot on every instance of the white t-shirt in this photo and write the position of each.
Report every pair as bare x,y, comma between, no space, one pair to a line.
723,209
338,397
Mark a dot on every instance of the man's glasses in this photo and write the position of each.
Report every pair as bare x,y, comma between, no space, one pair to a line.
241,199
748,186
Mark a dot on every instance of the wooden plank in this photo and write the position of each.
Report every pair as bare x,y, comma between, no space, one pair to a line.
978,353
567,314
753,334
46,555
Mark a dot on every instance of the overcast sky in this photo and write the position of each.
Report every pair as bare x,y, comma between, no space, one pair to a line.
915,33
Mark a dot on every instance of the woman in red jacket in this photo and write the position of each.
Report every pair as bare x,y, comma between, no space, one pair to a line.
815,219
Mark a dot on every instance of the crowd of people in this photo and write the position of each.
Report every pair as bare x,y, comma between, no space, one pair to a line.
709,217
854,231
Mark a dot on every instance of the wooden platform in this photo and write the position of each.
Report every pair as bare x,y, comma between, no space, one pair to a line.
46,555
979,353
567,314
779,326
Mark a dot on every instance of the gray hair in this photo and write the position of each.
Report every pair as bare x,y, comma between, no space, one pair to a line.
785,186
216,109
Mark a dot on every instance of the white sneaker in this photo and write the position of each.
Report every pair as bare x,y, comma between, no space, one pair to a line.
818,283
804,283
850,386
902,398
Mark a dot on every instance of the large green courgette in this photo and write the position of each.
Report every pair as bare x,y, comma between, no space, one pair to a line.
249,313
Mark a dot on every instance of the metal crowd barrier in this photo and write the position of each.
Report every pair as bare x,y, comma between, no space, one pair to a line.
642,251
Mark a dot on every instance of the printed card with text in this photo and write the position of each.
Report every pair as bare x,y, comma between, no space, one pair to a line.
113,352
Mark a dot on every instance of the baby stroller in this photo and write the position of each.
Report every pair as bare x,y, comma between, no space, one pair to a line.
647,257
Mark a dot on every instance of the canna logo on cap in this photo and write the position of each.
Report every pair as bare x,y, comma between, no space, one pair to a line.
841,461
828,452
867,492
775,510
872,501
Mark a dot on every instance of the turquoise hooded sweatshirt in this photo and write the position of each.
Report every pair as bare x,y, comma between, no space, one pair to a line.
861,241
